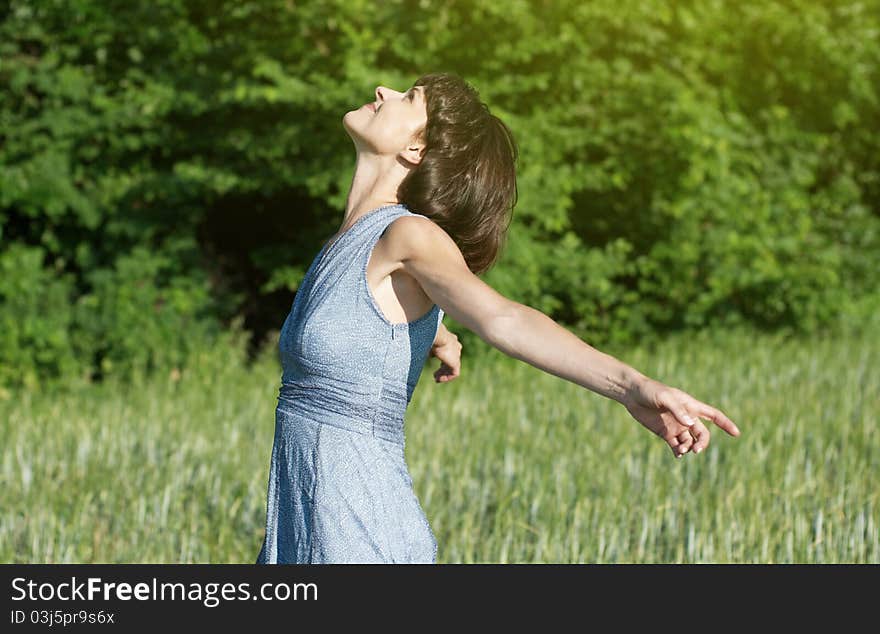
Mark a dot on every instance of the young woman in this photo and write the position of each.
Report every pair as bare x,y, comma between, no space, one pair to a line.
429,206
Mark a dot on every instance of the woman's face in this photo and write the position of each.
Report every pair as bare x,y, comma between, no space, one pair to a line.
390,124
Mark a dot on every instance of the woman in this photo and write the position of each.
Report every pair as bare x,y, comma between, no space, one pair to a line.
428,209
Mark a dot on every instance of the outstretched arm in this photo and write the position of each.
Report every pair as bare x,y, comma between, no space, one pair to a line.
429,255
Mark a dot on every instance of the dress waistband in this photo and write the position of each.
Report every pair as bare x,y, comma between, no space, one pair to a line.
378,413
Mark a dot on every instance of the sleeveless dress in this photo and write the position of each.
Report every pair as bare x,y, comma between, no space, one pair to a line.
339,487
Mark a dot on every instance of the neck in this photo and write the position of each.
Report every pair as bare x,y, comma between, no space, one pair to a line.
373,185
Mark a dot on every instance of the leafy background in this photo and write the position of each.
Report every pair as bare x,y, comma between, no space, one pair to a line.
168,169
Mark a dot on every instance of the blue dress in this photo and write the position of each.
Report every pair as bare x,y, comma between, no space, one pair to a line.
339,488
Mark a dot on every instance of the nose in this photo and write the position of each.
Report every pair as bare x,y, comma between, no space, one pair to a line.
382,92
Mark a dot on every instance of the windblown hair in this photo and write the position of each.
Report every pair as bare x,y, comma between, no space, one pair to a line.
466,180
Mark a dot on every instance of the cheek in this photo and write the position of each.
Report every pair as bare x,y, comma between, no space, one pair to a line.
388,134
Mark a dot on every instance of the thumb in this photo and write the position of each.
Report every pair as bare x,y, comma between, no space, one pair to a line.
678,410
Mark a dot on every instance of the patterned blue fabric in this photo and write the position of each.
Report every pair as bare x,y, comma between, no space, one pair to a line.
339,488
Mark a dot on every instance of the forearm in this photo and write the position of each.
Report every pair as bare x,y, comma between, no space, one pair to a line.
529,335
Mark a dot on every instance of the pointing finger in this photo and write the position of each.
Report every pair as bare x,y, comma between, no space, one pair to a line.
719,418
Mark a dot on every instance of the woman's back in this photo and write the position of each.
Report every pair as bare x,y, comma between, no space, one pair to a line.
339,488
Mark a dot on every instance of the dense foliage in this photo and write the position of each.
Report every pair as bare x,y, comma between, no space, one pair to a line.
167,169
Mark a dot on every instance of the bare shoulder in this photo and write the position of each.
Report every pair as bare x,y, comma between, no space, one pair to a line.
426,252
417,238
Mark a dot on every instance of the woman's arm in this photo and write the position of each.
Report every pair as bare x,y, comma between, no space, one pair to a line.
442,335
447,348
529,335
428,254
434,260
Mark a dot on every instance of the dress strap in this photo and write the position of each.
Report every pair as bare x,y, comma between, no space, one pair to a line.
360,227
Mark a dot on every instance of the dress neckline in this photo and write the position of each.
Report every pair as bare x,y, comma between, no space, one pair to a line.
328,245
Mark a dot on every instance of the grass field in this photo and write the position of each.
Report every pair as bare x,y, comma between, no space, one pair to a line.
511,464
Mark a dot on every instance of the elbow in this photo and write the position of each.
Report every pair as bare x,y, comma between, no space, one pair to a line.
501,328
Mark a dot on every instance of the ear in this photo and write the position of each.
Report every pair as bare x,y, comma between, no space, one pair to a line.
414,152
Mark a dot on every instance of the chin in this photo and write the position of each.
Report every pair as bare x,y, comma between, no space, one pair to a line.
353,124
346,119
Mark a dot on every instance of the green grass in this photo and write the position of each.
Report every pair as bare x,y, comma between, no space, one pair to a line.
511,464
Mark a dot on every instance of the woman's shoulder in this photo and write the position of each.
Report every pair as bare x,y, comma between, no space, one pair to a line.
416,236
414,226
414,231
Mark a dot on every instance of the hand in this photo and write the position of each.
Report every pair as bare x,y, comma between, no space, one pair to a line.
674,415
449,352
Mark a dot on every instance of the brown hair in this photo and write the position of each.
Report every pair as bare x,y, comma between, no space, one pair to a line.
466,180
